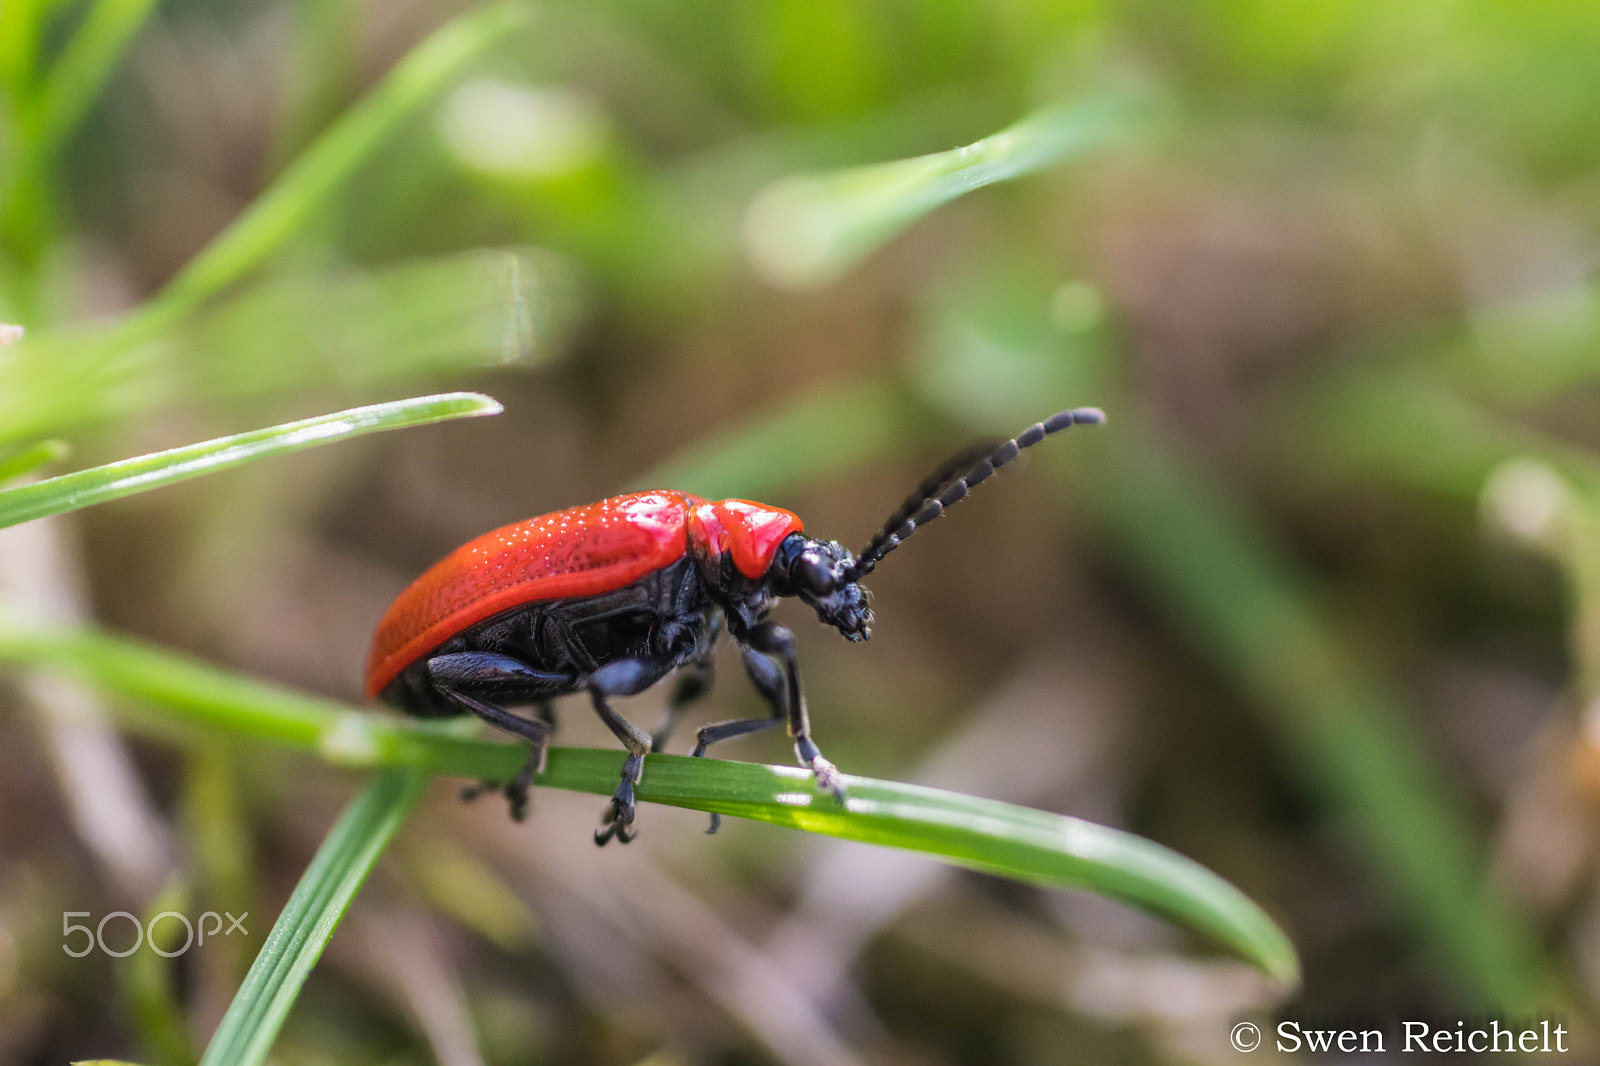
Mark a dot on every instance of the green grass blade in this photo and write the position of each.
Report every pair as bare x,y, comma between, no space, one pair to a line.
115,480
484,307
77,78
807,230
360,327
999,838
309,919
40,453
21,28
309,183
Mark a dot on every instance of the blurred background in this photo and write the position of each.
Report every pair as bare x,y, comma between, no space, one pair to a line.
1318,607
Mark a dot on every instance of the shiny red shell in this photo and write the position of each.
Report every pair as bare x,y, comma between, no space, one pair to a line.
582,551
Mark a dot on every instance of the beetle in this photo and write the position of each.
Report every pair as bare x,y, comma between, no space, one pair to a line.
611,597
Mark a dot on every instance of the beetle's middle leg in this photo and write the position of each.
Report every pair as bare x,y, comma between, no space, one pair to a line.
767,677
624,677
516,790
694,681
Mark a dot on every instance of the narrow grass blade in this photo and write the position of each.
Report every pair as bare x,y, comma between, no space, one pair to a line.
309,183
309,919
150,980
1394,427
807,230
22,460
79,75
484,307
115,480
21,29
999,838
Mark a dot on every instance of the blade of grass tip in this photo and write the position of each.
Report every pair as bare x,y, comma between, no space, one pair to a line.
80,74
999,838
115,480
804,231
40,453
1027,845
308,921
309,182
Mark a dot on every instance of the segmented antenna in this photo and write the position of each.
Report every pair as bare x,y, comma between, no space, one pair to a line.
938,491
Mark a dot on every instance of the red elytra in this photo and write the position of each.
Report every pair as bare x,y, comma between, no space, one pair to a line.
582,551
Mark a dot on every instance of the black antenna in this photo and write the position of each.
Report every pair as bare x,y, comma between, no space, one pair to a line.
940,489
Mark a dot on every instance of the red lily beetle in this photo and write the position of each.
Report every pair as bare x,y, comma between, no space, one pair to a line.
611,597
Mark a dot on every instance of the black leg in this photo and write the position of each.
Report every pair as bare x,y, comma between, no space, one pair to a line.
625,677
775,640
516,790
768,680
694,681
452,674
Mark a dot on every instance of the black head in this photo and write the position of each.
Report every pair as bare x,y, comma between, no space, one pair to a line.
820,573
825,575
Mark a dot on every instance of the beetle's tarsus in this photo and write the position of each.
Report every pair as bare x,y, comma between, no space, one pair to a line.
516,791
828,778
517,796
618,819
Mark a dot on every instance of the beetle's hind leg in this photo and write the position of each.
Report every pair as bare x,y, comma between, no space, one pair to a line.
516,790
624,677
451,675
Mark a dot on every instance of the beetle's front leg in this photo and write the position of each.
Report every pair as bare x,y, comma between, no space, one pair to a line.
625,677
777,641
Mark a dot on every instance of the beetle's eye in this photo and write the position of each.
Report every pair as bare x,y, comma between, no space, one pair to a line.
815,576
